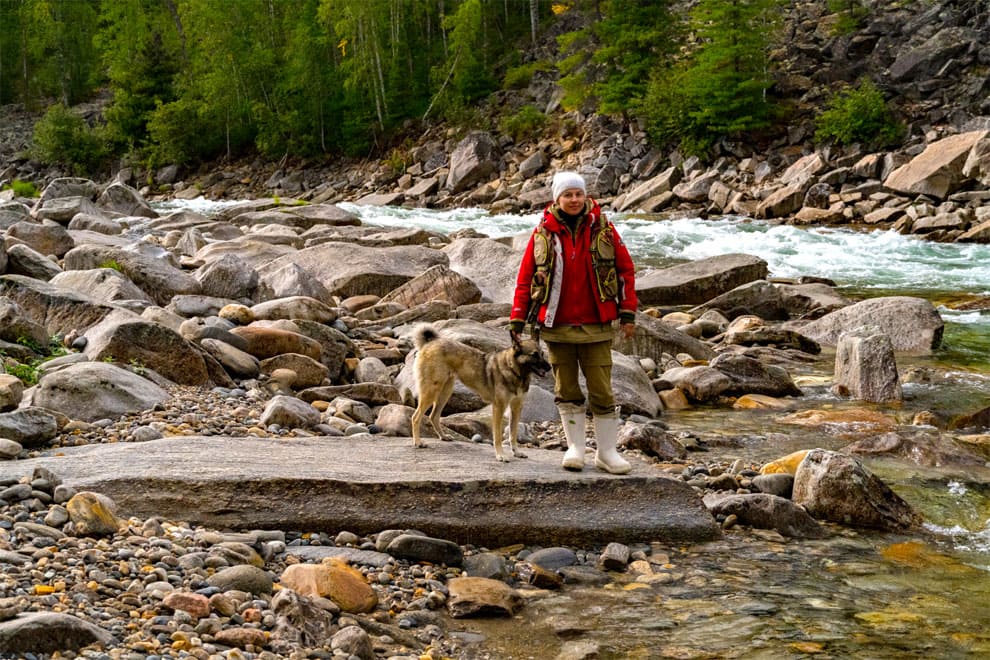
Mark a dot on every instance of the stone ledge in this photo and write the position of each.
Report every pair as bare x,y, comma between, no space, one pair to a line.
364,484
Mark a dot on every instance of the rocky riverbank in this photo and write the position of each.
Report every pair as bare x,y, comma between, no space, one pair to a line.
274,333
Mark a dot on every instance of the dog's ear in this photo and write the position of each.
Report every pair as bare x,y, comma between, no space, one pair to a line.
516,339
535,334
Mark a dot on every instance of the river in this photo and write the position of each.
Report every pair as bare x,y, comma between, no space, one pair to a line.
756,594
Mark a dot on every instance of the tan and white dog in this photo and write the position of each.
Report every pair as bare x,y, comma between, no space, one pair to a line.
500,378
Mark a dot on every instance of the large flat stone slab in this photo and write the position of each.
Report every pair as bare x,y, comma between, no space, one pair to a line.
364,484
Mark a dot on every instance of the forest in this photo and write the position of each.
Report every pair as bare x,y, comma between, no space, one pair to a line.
196,80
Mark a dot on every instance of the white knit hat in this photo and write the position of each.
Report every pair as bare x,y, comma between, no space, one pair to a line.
565,181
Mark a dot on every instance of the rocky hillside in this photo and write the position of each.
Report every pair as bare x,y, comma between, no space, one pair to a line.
929,59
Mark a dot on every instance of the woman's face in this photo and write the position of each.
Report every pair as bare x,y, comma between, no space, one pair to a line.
572,201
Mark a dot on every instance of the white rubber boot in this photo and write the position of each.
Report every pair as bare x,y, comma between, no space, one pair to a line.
573,420
607,458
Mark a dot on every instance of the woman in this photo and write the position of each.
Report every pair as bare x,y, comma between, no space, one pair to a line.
576,279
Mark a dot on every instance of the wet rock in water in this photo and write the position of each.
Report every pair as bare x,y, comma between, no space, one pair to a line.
48,632
487,565
765,511
780,484
837,488
652,440
615,557
865,366
476,597
581,574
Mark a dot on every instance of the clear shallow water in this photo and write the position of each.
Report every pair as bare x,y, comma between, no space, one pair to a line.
759,596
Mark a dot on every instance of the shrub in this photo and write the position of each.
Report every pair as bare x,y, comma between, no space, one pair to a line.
518,77
525,124
22,188
859,114
63,137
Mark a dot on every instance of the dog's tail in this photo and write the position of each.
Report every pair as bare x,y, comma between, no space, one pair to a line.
424,334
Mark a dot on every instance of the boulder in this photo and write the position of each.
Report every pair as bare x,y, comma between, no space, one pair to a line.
765,511
439,282
346,269
59,309
332,579
265,342
89,391
750,376
936,171
699,281
49,633
653,338
289,412
473,160
145,344
773,301
104,284
24,260
661,183
227,277
924,62
149,271
288,280
47,237
491,265
865,366
837,488
123,199
913,324
479,597
30,427
700,383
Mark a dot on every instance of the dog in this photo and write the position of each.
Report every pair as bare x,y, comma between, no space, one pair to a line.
500,378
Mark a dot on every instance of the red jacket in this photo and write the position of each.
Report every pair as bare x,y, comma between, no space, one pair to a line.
575,300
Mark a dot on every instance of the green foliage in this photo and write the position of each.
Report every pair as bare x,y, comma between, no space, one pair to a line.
526,124
471,75
721,89
518,77
22,188
858,114
850,15
26,371
112,264
63,137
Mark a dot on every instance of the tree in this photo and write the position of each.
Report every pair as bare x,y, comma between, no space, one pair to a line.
720,89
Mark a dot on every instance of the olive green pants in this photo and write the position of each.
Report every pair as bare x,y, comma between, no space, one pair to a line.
595,361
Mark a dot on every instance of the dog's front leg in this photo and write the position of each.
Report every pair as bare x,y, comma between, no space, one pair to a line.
515,412
498,414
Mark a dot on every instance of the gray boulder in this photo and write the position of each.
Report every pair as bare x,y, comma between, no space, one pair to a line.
103,284
123,199
699,281
865,366
30,427
765,511
346,269
913,324
50,632
45,237
837,488
152,273
491,265
145,344
473,160
24,260
89,391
